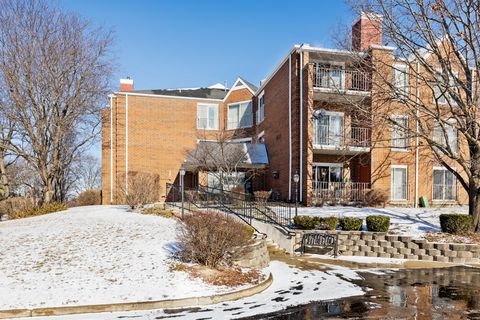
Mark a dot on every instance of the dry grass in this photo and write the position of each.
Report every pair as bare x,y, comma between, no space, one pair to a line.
159,211
469,238
44,209
230,277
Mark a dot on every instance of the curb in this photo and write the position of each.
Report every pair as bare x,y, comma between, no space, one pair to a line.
135,306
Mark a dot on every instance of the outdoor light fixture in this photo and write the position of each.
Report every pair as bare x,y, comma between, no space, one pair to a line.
182,175
296,179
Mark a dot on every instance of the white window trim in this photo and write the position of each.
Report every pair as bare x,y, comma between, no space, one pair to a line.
261,95
261,134
449,121
441,168
239,103
218,116
241,140
452,102
397,149
398,166
327,164
397,66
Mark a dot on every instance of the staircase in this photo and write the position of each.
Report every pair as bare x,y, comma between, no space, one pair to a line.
241,205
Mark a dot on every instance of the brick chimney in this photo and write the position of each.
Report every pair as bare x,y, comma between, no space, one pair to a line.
126,84
367,31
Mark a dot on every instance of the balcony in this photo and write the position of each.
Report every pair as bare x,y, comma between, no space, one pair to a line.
339,191
331,83
328,139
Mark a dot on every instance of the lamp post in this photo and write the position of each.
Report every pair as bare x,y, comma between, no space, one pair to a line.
182,188
296,179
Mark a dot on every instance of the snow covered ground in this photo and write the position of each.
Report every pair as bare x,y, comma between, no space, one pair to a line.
90,255
290,287
408,221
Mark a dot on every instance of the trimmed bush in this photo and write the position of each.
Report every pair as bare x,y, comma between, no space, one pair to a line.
304,222
206,237
325,223
378,223
456,223
375,198
351,224
320,223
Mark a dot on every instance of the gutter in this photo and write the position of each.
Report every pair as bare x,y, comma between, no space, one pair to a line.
300,51
111,149
126,143
290,126
416,138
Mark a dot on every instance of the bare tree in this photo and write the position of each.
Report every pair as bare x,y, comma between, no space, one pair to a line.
6,158
438,50
86,174
225,160
55,70
141,189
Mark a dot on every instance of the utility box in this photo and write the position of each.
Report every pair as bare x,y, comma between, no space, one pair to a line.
424,202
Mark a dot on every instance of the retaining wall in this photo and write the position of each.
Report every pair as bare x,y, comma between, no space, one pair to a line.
254,255
382,245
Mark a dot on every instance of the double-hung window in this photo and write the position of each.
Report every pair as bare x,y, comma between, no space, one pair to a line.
261,108
399,183
441,91
400,78
239,115
450,132
444,185
399,132
207,116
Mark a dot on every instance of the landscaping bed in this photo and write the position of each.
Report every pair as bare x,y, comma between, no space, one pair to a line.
96,255
403,221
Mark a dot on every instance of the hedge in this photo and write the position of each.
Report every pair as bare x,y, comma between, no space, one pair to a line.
321,223
456,223
351,224
304,222
378,223
326,223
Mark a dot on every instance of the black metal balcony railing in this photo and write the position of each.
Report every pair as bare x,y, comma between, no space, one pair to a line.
340,79
324,135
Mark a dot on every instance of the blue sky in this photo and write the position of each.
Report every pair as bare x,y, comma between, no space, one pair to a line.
166,44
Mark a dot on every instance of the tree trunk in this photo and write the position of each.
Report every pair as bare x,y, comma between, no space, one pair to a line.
48,193
474,207
4,188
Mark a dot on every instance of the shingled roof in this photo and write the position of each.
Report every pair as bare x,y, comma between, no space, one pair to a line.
205,93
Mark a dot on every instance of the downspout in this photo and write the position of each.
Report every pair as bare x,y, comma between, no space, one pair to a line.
126,143
417,92
290,127
301,123
111,149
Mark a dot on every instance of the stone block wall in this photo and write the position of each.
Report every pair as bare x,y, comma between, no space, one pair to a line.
254,255
382,245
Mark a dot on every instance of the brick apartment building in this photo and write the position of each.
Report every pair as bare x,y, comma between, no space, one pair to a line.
298,121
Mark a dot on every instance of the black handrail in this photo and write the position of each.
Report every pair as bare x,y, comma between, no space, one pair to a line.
240,204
